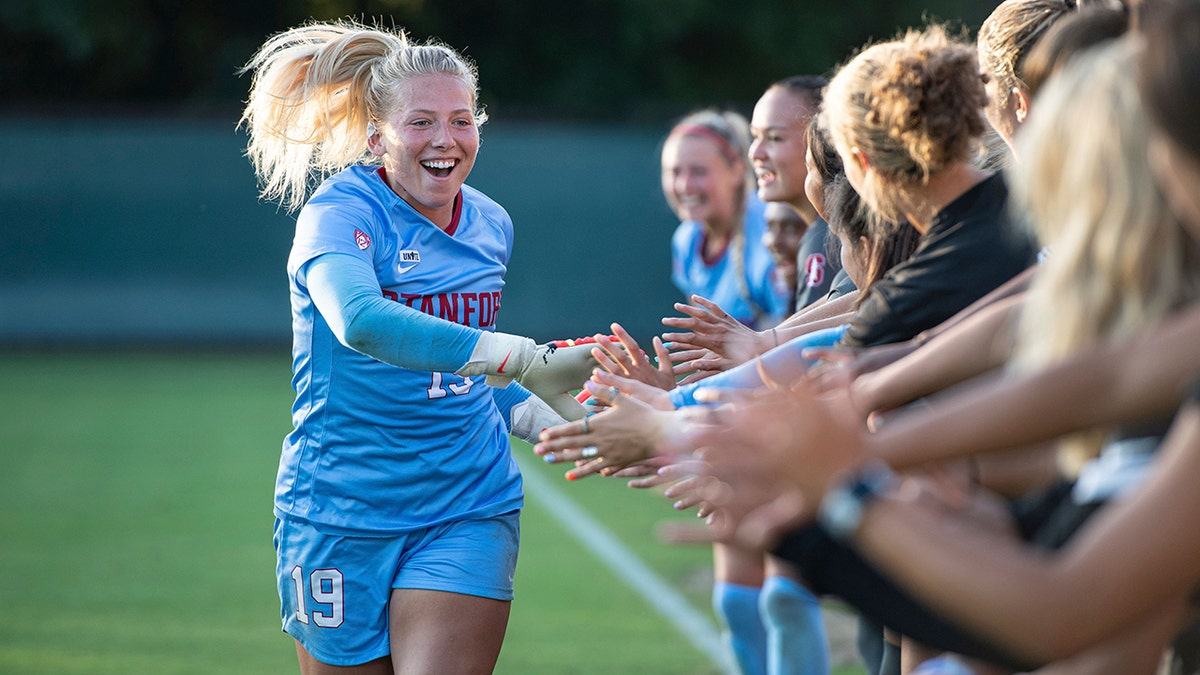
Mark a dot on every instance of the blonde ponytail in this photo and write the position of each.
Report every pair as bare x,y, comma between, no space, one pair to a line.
315,90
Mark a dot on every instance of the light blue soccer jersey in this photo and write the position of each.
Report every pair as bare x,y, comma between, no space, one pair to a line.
755,298
375,448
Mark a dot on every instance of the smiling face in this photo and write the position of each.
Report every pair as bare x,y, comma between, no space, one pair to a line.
778,127
429,145
699,183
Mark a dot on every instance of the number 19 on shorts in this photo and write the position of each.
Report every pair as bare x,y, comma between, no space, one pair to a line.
325,587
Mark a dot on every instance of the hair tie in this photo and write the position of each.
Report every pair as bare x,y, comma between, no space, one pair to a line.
723,145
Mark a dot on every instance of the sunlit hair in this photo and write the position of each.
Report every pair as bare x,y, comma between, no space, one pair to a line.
316,87
729,132
994,154
1007,35
1089,27
1119,262
913,106
807,88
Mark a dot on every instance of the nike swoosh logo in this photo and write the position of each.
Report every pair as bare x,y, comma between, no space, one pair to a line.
500,370
402,270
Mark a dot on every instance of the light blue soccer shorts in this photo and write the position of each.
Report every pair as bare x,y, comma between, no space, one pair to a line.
334,589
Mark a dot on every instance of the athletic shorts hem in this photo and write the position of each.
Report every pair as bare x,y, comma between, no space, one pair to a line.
503,594
343,660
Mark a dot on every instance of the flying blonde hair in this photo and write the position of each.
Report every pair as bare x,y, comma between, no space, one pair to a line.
316,88
1119,261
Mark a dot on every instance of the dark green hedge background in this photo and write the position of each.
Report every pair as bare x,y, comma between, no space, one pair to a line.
128,214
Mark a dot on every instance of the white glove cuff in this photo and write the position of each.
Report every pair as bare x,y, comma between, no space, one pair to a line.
500,356
530,416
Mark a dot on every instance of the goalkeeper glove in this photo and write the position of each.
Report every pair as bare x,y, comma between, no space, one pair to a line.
550,371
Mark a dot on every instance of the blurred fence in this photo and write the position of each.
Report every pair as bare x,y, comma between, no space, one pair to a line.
121,231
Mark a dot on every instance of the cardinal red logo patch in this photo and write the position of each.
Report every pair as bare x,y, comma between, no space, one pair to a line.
362,239
814,270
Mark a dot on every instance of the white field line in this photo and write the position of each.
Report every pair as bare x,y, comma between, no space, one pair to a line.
655,590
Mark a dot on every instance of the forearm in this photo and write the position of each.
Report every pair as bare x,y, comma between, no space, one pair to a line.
798,329
974,346
347,295
833,568
783,364
1138,380
1012,473
982,582
822,310
1044,606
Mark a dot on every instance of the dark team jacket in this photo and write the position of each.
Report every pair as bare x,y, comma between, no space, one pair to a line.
971,248
818,261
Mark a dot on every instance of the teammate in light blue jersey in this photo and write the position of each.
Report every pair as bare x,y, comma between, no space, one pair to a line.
717,250
741,279
397,500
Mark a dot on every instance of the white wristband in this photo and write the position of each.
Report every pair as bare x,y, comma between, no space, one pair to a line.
500,356
530,416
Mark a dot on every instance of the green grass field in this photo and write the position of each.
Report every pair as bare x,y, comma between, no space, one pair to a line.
135,516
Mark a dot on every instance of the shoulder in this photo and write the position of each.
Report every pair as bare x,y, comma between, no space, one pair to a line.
346,214
357,183
354,194
479,205
685,233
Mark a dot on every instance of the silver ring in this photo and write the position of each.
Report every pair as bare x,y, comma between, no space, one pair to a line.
589,452
586,429
613,393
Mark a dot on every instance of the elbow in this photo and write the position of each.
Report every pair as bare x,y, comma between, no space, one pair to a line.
355,337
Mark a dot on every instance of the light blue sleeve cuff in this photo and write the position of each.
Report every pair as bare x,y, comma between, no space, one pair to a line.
507,398
745,376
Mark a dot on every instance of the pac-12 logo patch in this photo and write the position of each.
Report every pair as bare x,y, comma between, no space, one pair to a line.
407,260
361,239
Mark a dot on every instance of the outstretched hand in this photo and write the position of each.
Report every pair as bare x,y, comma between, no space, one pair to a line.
646,393
713,329
772,454
629,431
687,361
626,358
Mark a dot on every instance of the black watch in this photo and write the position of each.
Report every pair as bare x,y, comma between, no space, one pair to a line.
843,507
